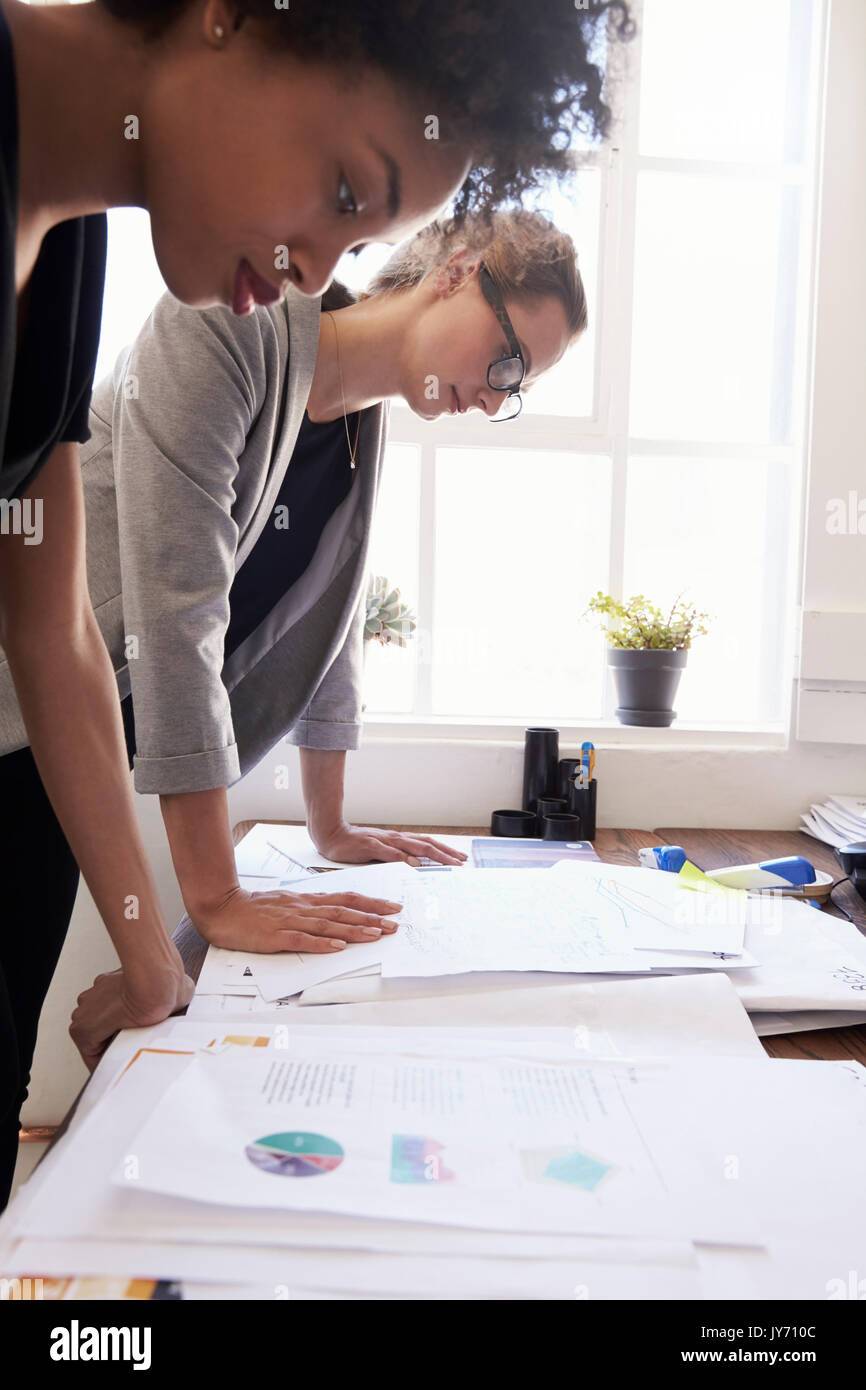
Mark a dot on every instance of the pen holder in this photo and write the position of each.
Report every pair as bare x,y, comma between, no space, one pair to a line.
540,773
551,806
568,768
581,802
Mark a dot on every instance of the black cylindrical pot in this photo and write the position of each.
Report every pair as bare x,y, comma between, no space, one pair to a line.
552,806
514,825
561,827
582,803
540,773
646,681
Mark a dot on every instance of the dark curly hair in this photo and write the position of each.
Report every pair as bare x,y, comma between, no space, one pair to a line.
511,80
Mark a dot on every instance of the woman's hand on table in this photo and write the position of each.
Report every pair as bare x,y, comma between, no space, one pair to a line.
138,996
359,844
280,920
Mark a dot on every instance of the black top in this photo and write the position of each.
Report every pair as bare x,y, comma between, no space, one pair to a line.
315,483
46,385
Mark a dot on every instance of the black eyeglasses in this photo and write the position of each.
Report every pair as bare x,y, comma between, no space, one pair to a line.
506,373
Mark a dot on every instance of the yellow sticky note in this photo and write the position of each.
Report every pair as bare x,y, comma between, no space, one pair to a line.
690,876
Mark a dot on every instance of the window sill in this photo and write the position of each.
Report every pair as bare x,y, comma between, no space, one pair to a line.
604,733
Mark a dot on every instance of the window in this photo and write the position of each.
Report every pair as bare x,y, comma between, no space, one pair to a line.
664,454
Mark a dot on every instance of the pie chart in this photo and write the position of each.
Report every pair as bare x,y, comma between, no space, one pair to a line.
296,1153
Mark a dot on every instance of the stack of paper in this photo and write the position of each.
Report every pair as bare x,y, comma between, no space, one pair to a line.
463,930
232,982
840,820
800,968
574,918
449,1162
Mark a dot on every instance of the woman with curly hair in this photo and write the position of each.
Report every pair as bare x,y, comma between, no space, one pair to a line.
264,142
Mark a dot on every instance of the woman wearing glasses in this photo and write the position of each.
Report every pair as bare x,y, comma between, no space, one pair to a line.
227,548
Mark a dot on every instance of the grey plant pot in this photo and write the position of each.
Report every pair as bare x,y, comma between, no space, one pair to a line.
646,683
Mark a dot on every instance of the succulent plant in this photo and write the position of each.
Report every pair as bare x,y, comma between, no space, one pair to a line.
388,620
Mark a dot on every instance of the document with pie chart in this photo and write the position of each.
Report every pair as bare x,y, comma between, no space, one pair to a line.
509,1143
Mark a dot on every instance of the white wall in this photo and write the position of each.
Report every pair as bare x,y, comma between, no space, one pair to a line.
654,783
832,696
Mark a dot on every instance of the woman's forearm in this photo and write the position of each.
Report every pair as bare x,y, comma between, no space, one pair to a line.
322,778
200,839
68,697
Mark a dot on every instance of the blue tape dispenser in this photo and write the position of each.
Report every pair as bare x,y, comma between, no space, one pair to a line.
671,858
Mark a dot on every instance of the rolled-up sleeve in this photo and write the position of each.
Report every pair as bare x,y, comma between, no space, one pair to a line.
333,718
181,419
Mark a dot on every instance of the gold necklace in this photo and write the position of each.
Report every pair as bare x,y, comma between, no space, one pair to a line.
352,449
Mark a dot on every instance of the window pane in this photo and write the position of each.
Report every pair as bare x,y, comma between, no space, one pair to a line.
521,543
133,284
717,530
706,270
389,672
567,388
713,79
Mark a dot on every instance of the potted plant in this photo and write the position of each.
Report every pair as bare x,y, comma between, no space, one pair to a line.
647,652
388,620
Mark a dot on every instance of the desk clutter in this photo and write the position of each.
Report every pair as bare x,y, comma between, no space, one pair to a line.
525,1090
559,794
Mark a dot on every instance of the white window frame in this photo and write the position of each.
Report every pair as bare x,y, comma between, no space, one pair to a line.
605,430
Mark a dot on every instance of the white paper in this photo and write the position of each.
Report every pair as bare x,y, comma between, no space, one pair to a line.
802,1120
283,973
664,1017
512,1144
661,913
229,1006
276,849
130,1214
314,1274
809,960
569,918
768,1025
276,975
816,824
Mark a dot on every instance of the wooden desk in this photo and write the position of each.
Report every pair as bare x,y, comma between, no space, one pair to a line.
709,849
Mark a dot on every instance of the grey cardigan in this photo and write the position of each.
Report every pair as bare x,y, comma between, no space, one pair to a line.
191,436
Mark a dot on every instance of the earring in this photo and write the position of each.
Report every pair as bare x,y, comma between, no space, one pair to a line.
219,31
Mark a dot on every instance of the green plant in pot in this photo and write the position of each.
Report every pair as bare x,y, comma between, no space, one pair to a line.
647,652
